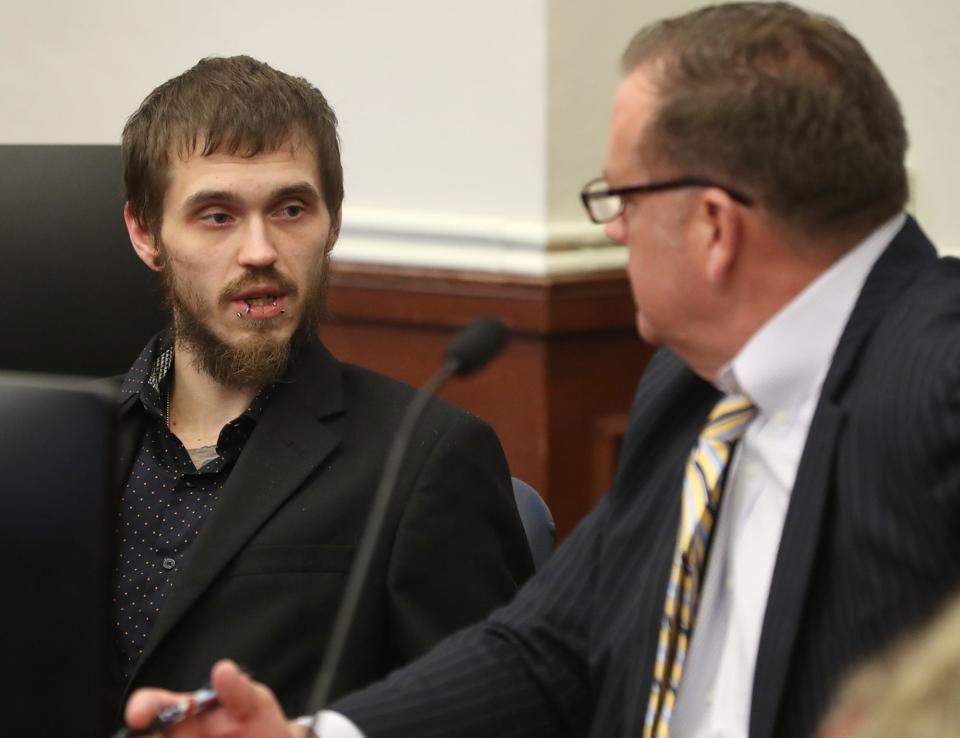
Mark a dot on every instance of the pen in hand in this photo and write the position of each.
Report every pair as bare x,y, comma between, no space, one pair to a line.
197,703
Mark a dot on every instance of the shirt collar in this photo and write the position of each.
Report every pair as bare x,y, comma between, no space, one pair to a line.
145,370
786,360
149,374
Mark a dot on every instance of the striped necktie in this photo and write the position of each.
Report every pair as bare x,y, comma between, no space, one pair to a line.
702,486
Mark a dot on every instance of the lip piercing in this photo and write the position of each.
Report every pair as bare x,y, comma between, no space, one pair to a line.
249,308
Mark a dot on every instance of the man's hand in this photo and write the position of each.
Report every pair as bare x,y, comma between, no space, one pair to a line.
247,709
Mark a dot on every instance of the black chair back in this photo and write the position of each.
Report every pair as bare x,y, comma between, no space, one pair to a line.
75,298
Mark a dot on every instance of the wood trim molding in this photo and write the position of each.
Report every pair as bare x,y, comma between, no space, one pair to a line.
444,298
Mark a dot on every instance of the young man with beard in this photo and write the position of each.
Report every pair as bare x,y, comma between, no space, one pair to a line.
249,454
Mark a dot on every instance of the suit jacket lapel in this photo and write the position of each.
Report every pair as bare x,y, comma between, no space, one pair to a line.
897,266
288,443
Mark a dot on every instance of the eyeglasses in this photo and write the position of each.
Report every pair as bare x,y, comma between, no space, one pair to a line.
604,203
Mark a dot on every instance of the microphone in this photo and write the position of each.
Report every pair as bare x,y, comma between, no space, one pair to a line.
470,349
474,346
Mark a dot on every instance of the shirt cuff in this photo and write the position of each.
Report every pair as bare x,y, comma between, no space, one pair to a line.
332,724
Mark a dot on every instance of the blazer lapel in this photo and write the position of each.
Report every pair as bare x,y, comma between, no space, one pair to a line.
897,266
288,443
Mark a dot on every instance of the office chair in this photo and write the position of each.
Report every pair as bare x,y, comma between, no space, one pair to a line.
537,521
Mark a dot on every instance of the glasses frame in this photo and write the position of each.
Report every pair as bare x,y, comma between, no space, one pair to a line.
662,186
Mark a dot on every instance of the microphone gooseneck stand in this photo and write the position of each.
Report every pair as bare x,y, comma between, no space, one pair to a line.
468,350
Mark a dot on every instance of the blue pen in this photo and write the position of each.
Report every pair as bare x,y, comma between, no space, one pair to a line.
197,703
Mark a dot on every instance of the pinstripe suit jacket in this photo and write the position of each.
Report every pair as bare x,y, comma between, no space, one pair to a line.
869,546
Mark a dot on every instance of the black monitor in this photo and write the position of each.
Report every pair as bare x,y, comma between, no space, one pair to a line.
57,514
76,299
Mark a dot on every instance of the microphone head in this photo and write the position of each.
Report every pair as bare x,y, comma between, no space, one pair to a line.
475,345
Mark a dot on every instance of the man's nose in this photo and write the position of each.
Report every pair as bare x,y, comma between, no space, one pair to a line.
258,249
616,230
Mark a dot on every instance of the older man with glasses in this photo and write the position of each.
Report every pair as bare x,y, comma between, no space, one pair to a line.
788,498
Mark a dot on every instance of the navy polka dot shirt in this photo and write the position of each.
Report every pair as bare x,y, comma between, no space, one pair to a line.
165,500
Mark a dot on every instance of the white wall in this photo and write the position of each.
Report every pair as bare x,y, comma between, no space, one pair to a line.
585,40
916,46
468,127
441,102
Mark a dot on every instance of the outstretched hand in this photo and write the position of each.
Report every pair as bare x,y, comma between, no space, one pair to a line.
247,709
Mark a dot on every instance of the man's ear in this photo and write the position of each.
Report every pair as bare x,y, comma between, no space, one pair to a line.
334,231
720,228
143,241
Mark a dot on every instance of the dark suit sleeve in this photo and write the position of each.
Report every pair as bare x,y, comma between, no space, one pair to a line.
522,671
459,550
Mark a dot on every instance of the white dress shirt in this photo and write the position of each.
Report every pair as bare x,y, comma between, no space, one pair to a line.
781,368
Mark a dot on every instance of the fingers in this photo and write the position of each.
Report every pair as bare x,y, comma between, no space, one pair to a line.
144,705
247,709
239,694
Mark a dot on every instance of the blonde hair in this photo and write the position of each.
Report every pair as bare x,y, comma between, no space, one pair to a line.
911,691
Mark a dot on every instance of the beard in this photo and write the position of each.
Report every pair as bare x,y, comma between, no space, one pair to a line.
260,358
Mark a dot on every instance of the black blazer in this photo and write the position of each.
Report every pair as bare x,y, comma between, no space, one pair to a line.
869,545
264,576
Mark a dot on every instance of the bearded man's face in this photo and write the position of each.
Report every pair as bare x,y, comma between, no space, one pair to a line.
243,251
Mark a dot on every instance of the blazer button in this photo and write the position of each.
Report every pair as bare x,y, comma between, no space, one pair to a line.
169,563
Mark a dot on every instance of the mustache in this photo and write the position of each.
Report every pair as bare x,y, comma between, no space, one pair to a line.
266,277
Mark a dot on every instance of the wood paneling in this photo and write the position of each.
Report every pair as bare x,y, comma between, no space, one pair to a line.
555,395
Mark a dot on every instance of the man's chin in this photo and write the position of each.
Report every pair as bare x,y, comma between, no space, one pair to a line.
257,356
251,363
647,331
